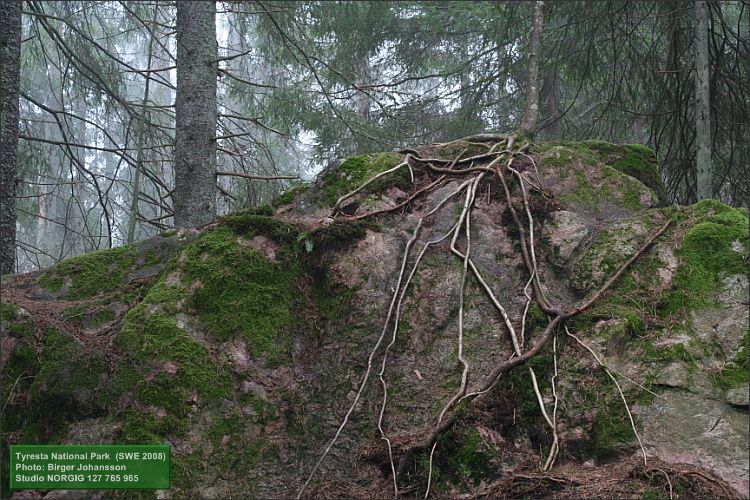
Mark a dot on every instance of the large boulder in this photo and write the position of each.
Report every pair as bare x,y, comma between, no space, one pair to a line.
243,345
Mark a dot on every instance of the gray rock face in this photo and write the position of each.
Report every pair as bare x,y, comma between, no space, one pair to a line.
738,396
689,428
725,323
565,232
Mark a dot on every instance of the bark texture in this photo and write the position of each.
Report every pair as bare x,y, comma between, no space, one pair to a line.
10,64
531,114
703,176
195,102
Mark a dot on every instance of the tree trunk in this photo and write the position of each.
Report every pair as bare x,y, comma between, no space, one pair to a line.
551,97
703,174
195,107
10,66
531,114
142,124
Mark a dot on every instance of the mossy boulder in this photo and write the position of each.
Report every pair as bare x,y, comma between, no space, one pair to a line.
634,160
244,345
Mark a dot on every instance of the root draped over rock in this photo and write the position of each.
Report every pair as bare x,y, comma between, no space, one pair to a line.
500,159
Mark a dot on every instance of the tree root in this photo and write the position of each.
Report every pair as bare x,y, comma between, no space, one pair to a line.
501,156
619,389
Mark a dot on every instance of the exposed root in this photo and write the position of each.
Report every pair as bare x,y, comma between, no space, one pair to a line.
619,389
345,197
498,160
393,341
464,220
366,375
370,358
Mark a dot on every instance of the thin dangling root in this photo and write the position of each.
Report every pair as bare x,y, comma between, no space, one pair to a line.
465,219
619,389
366,376
501,156
393,341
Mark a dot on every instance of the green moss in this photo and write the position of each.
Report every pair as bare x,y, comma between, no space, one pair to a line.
241,292
287,197
460,458
249,225
535,318
8,312
337,235
164,295
145,428
653,494
18,375
22,328
187,469
611,429
670,354
735,374
634,324
193,376
155,337
81,315
635,160
557,156
59,382
522,386
91,273
707,255
150,258
248,442
466,456
357,170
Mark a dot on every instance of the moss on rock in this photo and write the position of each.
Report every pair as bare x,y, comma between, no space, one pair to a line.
357,170
714,245
91,273
634,160
288,197
238,290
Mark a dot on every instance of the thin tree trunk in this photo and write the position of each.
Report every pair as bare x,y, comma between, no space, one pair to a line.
703,171
531,114
195,107
551,97
10,65
142,124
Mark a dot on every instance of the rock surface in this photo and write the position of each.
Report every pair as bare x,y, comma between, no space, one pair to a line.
243,345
